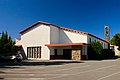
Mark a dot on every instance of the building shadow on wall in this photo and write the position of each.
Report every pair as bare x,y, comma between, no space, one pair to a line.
63,39
22,52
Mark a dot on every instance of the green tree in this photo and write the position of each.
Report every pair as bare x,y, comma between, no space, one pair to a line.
7,47
97,47
116,40
95,50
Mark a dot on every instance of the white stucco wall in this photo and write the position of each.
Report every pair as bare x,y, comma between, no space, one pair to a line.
71,37
115,49
117,52
38,36
54,35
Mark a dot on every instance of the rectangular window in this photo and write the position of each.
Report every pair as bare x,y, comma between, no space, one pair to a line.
95,40
90,40
104,45
55,51
34,52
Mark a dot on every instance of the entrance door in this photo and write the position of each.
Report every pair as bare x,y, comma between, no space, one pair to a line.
67,53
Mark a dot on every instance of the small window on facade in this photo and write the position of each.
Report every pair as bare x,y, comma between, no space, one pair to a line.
34,52
104,45
90,40
95,40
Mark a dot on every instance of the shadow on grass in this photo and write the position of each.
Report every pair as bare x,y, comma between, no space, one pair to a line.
10,64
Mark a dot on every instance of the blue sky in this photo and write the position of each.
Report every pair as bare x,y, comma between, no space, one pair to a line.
84,15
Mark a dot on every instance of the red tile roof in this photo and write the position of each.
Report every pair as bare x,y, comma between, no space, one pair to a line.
69,44
67,29
45,23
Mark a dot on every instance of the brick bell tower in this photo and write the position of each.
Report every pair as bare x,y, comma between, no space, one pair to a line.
107,33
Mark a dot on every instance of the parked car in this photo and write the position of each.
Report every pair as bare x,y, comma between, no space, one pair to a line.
17,58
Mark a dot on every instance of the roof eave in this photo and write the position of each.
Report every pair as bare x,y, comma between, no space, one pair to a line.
39,22
97,37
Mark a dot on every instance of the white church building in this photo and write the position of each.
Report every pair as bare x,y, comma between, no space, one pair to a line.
47,41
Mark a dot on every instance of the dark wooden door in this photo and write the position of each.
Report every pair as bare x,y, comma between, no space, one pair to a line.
67,53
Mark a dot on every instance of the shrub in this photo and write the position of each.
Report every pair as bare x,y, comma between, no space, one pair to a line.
94,50
107,54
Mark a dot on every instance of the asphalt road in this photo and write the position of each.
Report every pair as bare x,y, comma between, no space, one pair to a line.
62,70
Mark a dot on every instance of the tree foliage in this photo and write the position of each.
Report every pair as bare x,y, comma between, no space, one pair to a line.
116,40
97,47
7,47
94,50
